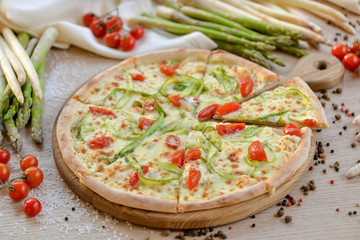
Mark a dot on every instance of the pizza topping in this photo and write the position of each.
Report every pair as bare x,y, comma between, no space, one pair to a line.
175,100
246,86
100,142
225,129
145,123
168,70
194,176
134,177
252,131
184,85
228,108
137,77
172,141
229,83
192,155
257,151
149,106
177,158
101,111
208,111
310,122
292,130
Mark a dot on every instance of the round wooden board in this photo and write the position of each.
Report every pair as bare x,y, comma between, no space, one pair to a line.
188,220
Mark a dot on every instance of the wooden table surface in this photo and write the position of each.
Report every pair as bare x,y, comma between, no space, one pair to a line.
65,216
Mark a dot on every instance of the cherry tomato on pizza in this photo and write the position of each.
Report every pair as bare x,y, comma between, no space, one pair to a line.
137,77
310,122
28,161
18,190
177,158
292,130
192,155
4,173
224,129
4,155
208,111
100,142
32,207
33,176
246,86
134,177
257,151
137,32
172,141
194,176
145,123
100,111
175,100
227,108
168,70
149,106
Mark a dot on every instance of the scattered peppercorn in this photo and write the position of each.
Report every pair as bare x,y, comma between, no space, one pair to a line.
253,216
344,127
323,161
321,150
337,209
350,213
327,144
312,182
311,168
293,201
165,233
280,213
338,90
353,145
346,110
288,204
253,225
352,114
73,209
337,116
340,133
346,37
288,219
324,170
354,212
323,104
66,218
332,181
312,187
332,150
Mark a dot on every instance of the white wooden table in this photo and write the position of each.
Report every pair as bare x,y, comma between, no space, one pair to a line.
317,218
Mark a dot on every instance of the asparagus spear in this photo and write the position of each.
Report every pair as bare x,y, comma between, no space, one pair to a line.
174,15
293,51
185,29
14,107
249,54
275,59
11,130
257,25
36,110
4,99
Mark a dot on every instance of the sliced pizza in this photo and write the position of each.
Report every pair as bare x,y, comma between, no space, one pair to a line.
294,102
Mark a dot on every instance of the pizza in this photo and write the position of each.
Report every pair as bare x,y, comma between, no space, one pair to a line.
185,130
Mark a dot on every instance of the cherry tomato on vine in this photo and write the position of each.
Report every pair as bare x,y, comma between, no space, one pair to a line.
127,43
98,28
351,62
28,161
112,39
113,24
89,18
4,173
137,32
339,50
35,176
32,207
4,156
18,190
355,48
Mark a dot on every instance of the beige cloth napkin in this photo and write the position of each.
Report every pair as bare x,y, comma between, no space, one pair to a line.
351,5
34,16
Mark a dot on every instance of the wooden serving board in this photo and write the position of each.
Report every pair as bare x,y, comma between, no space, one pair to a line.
188,220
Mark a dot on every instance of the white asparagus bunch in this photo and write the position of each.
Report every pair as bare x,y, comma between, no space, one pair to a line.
353,172
356,121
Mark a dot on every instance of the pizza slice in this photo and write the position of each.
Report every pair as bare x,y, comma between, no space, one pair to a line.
240,162
231,78
294,102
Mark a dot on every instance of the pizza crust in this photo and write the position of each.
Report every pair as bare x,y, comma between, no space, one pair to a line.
129,199
319,113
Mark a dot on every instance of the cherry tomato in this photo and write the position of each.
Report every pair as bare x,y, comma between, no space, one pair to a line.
351,62
207,111
98,28
28,161
4,173
4,156
177,158
292,130
112,39
89,18
227,108
100,142
18,190
355,48
137,32
137,77
149,106
257,151
32,207
113,24
310,122
246,86
193,177
168,70
145,123
224,129
339,50
175,100
35,176
134,177
127,43
172,141
192,155
100,111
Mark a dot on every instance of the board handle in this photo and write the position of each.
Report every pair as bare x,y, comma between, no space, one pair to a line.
319,70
